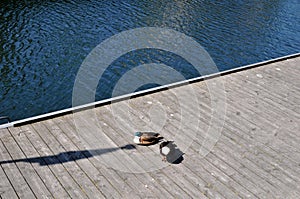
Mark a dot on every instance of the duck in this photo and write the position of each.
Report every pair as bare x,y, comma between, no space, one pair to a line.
170,152
146,138
165,149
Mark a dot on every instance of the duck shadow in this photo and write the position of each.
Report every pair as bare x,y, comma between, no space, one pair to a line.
68,156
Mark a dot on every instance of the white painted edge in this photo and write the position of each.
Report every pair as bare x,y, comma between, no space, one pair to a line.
143,92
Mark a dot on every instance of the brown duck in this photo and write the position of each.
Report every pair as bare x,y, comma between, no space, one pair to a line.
146,138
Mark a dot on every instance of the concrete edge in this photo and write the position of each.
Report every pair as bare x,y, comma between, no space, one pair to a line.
140,93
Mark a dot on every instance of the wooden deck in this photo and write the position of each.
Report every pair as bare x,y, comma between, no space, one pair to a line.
257,155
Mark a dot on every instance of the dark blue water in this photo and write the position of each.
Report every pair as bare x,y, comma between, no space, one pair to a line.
43,43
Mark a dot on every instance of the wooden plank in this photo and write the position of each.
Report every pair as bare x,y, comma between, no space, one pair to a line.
286,71
237,139
28,172
14,175
207,170
194,192
45,173
234,176
227,181
234,162
243,175
253,108
262,96
256,165
86,185
6,189
239,123
262,139
133,164
261,120
264,110
277,84
53,163
143,175
266,95
182,182
157,164
268,160
113,176
95,175
278,159
95,137
246,191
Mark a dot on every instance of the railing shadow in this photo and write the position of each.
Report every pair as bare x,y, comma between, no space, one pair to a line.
68,156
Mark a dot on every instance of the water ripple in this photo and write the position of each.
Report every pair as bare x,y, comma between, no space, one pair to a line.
44,42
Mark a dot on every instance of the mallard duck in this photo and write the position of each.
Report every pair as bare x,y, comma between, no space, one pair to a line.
170,152
146,138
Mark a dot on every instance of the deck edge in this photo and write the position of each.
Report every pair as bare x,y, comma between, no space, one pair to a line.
141,93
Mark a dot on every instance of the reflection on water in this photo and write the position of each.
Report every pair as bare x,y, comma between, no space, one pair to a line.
44,43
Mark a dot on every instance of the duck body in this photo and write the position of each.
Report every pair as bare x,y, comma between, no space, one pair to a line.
146,138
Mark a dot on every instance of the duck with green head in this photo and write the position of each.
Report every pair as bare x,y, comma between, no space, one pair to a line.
146,138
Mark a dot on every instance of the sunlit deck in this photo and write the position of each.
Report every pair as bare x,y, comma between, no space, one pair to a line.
256,156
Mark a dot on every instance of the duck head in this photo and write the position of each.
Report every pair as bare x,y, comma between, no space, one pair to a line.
137,137
138,134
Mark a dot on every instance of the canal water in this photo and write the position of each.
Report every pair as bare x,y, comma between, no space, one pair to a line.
43,43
